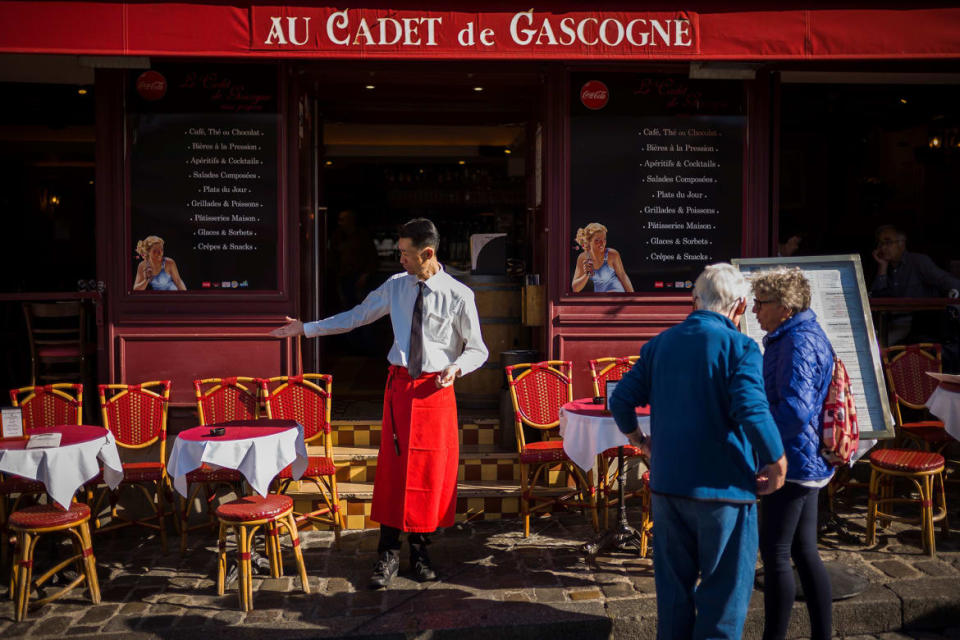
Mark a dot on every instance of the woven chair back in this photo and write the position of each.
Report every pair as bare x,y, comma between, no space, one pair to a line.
225,399
49,405
906,368
136,414
609,369
305,398
539,389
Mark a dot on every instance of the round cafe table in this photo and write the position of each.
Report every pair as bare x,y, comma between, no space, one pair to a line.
258,449
944,403
65,468
587,431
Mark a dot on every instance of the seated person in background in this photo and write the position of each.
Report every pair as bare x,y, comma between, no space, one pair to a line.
789,242
903,274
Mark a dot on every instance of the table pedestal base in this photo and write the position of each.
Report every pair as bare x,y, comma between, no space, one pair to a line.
621,536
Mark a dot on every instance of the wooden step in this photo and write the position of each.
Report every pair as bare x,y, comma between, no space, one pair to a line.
366,433
475,501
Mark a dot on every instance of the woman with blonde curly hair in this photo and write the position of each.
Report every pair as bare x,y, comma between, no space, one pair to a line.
797,369
598,263
156,270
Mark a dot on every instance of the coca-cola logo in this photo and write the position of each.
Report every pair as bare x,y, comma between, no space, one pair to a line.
594,95
151,85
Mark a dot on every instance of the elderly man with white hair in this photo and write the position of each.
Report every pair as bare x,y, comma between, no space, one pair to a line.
713,448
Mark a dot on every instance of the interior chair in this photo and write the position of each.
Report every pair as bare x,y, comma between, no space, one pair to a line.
538,390
136,414
43,406
306,398
611,369
218,400
909,386
56,332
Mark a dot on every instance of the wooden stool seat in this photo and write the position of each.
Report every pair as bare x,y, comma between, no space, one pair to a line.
922,469
32,522
245,516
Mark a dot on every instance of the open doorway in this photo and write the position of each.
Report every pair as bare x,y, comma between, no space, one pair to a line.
399,143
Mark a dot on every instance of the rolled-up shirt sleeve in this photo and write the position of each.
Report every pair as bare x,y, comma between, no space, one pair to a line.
468,326
374,306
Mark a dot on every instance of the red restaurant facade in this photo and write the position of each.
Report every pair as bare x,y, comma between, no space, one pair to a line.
235,129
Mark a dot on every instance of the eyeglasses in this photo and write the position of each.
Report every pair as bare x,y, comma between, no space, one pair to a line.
887,241
757,302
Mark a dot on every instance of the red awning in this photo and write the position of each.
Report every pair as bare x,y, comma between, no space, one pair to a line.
702,31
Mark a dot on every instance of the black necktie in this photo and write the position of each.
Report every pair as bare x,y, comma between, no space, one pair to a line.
415,359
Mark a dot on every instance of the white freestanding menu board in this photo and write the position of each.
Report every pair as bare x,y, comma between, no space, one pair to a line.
839,298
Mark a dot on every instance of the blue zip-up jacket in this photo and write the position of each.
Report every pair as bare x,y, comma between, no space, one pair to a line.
797,367
709,418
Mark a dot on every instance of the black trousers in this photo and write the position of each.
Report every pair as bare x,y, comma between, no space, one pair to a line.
390,541
788,529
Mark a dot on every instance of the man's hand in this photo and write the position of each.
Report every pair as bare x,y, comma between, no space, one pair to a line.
639,441
881,263
772,476
293,328
446,377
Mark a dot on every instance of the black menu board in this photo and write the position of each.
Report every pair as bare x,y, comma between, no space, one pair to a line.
204,150
657,161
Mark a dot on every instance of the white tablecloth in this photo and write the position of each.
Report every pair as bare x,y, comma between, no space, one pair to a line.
259,458
945,405
64,469
586,436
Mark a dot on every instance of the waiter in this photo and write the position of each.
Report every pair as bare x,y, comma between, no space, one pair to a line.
437,337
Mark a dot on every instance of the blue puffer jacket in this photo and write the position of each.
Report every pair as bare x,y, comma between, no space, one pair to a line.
797,367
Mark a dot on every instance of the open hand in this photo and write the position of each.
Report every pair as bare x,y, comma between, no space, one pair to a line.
293,328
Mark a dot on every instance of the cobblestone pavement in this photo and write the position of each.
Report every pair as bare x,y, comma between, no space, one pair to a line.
493,584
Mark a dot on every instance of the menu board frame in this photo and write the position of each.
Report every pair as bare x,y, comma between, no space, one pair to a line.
864,336
282,285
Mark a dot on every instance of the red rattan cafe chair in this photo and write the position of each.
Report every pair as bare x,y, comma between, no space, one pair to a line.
42,406
136,414
603,370
909,386
218,400
538,390
306,398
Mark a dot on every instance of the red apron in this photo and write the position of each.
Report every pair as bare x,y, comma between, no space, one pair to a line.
416,490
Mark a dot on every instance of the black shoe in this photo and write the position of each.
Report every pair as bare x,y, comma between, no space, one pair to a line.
422,572
385,571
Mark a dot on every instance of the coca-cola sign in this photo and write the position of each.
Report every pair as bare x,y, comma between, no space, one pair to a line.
594,95
151,85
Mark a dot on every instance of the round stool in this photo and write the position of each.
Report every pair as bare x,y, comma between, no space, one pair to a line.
32,522
920,467
245,516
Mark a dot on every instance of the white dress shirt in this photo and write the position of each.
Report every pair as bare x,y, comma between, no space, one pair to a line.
451,326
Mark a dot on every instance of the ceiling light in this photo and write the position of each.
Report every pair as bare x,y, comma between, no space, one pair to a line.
903,101
328,162
507,151
478,88
370,87
82,91
934,142
461,162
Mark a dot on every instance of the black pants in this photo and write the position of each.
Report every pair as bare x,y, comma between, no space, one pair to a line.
390,541
788,528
